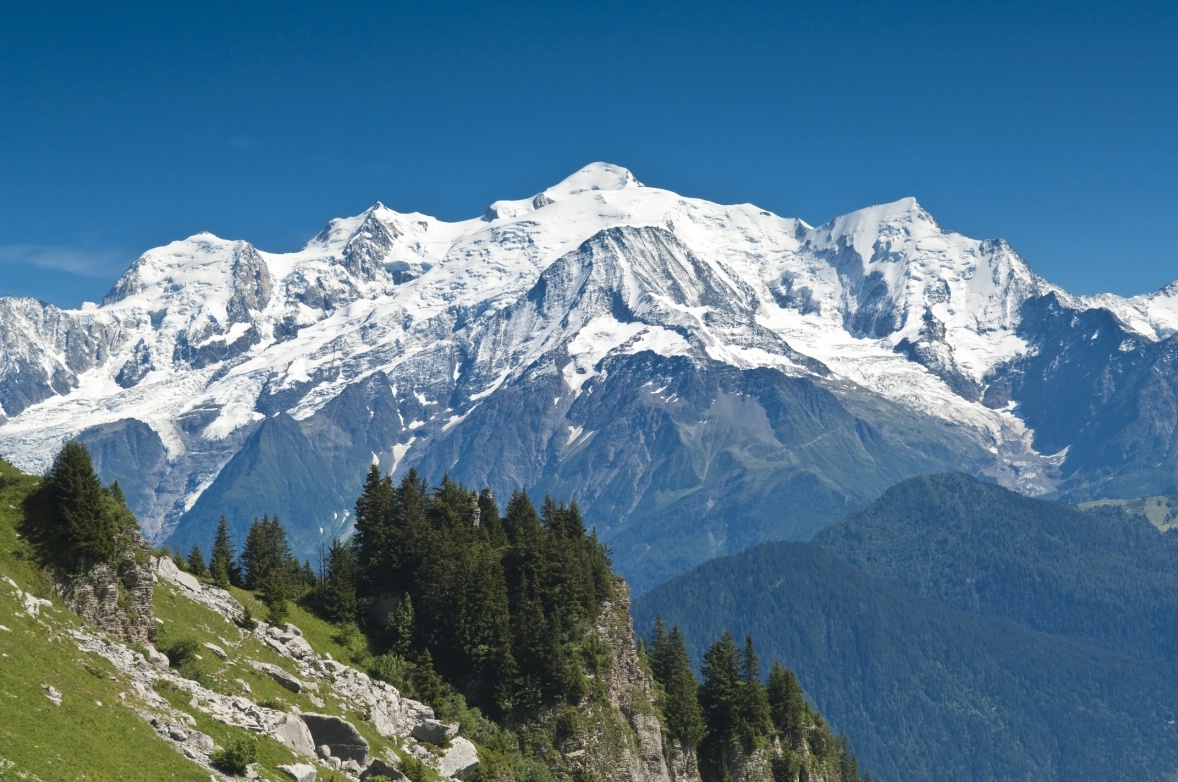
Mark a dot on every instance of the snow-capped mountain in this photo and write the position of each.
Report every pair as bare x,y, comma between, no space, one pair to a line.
699,376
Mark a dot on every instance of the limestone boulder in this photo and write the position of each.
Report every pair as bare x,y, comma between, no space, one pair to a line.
300,772
339,735
292,732
461,759
434,731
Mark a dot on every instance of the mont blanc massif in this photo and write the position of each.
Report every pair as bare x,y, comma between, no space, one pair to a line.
938,488
698,377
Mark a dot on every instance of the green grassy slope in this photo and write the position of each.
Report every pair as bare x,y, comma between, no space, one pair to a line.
96,735
93,735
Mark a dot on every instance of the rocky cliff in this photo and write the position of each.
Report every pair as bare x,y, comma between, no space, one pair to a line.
115,597
614,734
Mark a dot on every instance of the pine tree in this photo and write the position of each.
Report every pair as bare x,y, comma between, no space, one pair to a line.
848,763
375,555
787,704
337,589
721,696
401,623
196,562
672,669
86,526
223,566
116,494
755,714
267,556
427,685
660,650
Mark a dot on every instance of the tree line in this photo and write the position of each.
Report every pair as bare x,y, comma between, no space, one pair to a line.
444,585
732,714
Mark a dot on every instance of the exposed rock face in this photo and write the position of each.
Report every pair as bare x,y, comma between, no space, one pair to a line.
621,739
116,598
339,736
435,731
460,760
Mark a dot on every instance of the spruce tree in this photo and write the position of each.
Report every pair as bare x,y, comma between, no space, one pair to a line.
756,720
86,525
196,562
787,704
721,696
337,589
660,650
223,566
375,555
685,720
401,623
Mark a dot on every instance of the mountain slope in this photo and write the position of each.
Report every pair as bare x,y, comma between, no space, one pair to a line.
930,692
498,348
1100,577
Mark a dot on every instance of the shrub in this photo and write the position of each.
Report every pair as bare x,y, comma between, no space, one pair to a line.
236,756
416,770
247,620
181,651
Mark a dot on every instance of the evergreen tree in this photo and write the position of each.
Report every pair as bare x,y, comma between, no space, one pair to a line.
756,720
223,566
376,556
427,685
672,670
337,589
490,524
721,697
401,623
86,525
660,650
787,704
267,556
196,562
847,762
116,494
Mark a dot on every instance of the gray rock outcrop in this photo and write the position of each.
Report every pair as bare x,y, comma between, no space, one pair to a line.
300,772
461,759
339,736
434,731
116,597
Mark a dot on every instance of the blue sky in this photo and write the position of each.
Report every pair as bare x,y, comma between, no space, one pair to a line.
124,125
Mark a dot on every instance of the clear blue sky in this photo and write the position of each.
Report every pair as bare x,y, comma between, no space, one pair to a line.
126,125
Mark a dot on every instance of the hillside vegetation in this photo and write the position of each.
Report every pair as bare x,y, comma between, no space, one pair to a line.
933,692
1101,576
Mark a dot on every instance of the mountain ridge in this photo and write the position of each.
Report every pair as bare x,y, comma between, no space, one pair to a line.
914,327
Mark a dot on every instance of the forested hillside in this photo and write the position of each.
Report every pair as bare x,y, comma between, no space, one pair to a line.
1100,576
930,692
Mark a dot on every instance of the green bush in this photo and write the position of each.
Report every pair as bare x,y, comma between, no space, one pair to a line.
189,669
236,756
416,770
533,771
181,650
247,620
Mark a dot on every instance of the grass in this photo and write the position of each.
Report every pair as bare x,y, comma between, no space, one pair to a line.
82,740
86,738
1161,511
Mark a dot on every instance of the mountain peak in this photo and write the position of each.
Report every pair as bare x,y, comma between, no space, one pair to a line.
595,176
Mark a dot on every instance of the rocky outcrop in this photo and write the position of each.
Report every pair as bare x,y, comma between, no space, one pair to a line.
615,734
116,597
331,740
335,737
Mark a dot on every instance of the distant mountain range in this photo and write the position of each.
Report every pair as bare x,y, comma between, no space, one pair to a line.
699,377
960,631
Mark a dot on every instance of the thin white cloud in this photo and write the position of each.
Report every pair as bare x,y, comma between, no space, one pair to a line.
84,263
